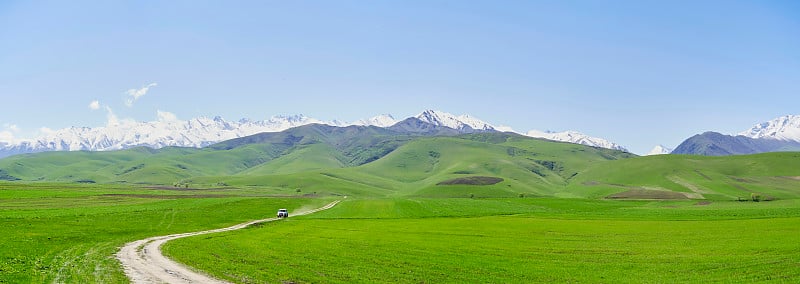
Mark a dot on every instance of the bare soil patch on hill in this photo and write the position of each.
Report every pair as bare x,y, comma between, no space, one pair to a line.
647,194
473,180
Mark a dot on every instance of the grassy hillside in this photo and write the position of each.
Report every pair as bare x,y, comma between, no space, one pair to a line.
771,175
530,167
526,166
295,150
375,162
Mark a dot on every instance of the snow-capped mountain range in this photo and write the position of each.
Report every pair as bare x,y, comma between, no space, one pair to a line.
577,138
785,128
779,134
460,122
167,130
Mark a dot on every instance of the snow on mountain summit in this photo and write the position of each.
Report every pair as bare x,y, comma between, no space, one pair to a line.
577,138
383,120
782,128
166,131
460,122
659,150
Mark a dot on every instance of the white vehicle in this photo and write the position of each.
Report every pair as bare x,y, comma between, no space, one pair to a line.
283,213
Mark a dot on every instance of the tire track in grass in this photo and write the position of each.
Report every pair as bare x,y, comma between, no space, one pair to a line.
143,261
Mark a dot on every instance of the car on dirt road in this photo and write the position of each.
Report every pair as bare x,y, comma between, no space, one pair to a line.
283,213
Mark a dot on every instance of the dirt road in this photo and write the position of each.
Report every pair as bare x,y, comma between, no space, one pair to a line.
144,263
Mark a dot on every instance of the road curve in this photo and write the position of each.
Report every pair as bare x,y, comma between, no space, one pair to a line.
143,262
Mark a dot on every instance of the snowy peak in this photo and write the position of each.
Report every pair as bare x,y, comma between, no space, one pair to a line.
383,120
577,138
785,128
659,150
461,122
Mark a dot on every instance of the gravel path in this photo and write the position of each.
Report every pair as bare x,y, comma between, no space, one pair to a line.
144,263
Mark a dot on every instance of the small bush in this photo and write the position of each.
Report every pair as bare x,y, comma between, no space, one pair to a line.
756,197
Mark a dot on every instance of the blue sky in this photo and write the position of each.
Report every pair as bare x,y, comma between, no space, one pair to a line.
639,73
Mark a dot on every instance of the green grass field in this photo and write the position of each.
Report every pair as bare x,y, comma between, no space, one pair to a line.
510,241
69,233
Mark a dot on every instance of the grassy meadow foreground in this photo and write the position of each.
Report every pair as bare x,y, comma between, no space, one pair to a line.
69,234
514,240
489,207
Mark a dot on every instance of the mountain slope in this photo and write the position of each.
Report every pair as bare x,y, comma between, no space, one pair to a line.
355,145
693,177
716,144
418,126
525,165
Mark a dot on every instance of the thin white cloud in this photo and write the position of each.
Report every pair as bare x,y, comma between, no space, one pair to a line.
135,94
166,116
7,137
94,105
111,117
7,134
113,120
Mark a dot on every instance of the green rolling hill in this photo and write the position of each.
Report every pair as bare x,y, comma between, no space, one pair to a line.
295,150
378,162
773,175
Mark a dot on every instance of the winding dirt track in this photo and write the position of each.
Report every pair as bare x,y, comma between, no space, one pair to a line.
144,263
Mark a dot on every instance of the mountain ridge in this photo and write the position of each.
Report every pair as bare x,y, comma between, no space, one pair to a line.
577,138
777,135
202,131
717,144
